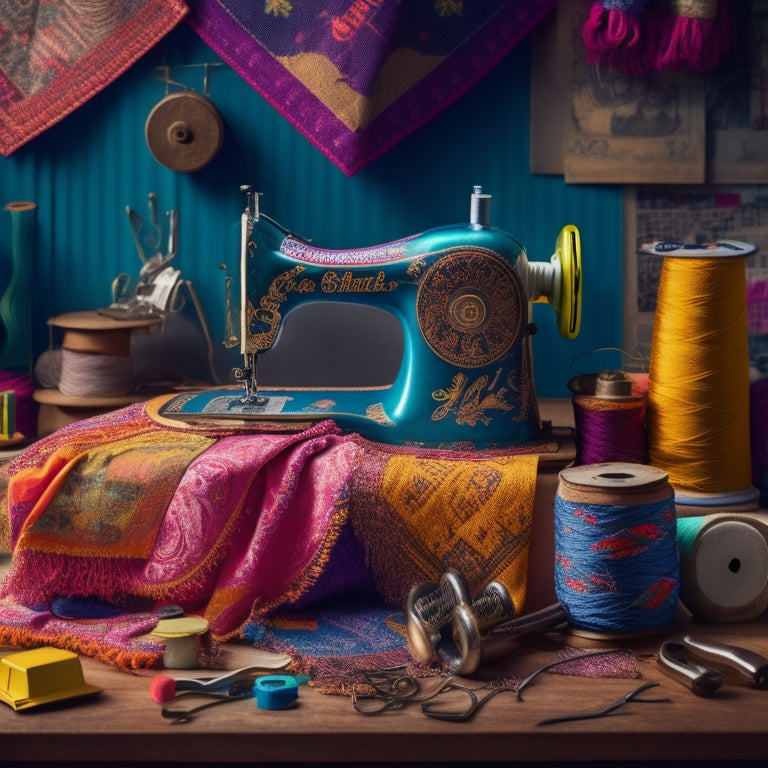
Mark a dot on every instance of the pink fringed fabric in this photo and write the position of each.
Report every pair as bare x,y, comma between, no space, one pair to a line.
114,518
639,37
249,527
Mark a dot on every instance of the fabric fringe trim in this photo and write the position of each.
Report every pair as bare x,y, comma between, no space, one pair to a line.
639,42
14,637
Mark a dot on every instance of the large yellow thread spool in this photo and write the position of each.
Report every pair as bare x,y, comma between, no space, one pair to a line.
698,383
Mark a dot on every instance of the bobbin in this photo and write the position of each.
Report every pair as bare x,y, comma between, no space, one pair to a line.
181,640
609,418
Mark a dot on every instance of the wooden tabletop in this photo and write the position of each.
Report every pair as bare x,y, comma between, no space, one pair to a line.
123,723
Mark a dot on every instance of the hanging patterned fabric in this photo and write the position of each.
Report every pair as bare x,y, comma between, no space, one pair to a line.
357,76
639,37
55,57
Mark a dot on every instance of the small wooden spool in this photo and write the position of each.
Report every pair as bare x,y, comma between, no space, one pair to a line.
93,332
614,483
184,131
181,637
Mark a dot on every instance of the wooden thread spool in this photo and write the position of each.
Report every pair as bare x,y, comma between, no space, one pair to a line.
616,564
96,353
724,566
181,637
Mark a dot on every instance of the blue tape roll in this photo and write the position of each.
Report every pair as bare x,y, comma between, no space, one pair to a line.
275,691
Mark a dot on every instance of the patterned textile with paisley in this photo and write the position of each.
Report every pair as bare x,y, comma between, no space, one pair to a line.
113,518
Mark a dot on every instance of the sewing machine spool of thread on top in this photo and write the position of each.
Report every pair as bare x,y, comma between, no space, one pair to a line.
462,295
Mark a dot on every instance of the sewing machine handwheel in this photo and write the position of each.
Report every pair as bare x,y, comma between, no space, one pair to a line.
567,299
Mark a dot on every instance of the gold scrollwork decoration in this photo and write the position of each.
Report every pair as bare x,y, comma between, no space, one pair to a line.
472,402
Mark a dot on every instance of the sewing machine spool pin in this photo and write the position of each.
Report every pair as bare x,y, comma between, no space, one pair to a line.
461,294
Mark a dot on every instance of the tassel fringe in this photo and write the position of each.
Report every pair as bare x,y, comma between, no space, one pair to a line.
640,38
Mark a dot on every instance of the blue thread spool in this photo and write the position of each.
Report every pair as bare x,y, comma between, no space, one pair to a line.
616,563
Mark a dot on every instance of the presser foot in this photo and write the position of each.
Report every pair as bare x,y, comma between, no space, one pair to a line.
253,399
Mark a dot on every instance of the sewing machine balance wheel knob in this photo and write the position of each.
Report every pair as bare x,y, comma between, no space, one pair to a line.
566,300
184,131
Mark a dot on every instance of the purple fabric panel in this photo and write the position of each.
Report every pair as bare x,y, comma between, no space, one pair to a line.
470,48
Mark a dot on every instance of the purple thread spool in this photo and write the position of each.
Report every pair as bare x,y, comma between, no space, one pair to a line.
609,415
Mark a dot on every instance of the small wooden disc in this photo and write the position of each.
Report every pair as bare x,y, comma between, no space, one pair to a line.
614,483
92,332
184,131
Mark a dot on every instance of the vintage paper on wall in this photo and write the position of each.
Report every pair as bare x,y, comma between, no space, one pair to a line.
628,130
737,109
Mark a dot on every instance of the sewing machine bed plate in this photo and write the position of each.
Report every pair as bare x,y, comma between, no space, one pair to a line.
300,404
296,409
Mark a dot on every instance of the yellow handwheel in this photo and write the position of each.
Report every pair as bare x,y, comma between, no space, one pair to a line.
566,300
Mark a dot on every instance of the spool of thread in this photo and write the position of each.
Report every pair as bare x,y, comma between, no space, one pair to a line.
609,416
616,563
25,407
698,382
181,637
90,374
7,415
724,566
96,354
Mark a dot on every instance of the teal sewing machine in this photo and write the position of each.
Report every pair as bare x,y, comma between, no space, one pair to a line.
461,294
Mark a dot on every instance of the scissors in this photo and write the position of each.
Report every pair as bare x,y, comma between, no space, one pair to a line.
393,688
475,702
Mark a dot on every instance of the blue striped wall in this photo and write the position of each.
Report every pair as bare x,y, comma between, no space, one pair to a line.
84,171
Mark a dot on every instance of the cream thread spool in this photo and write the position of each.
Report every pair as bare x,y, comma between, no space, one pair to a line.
96,353
724,566
181,637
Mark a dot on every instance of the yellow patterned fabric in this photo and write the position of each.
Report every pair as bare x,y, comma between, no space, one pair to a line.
110,499
420,515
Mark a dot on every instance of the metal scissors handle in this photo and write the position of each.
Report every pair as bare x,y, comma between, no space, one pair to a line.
393,689
456,716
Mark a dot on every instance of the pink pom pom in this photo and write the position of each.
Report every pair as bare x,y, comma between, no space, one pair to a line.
162,688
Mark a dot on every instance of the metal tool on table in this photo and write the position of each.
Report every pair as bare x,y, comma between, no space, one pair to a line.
163,688
434,610
633,695
462,295
705,665
467,648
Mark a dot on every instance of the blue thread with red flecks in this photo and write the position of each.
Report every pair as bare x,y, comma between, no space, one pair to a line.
617,567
